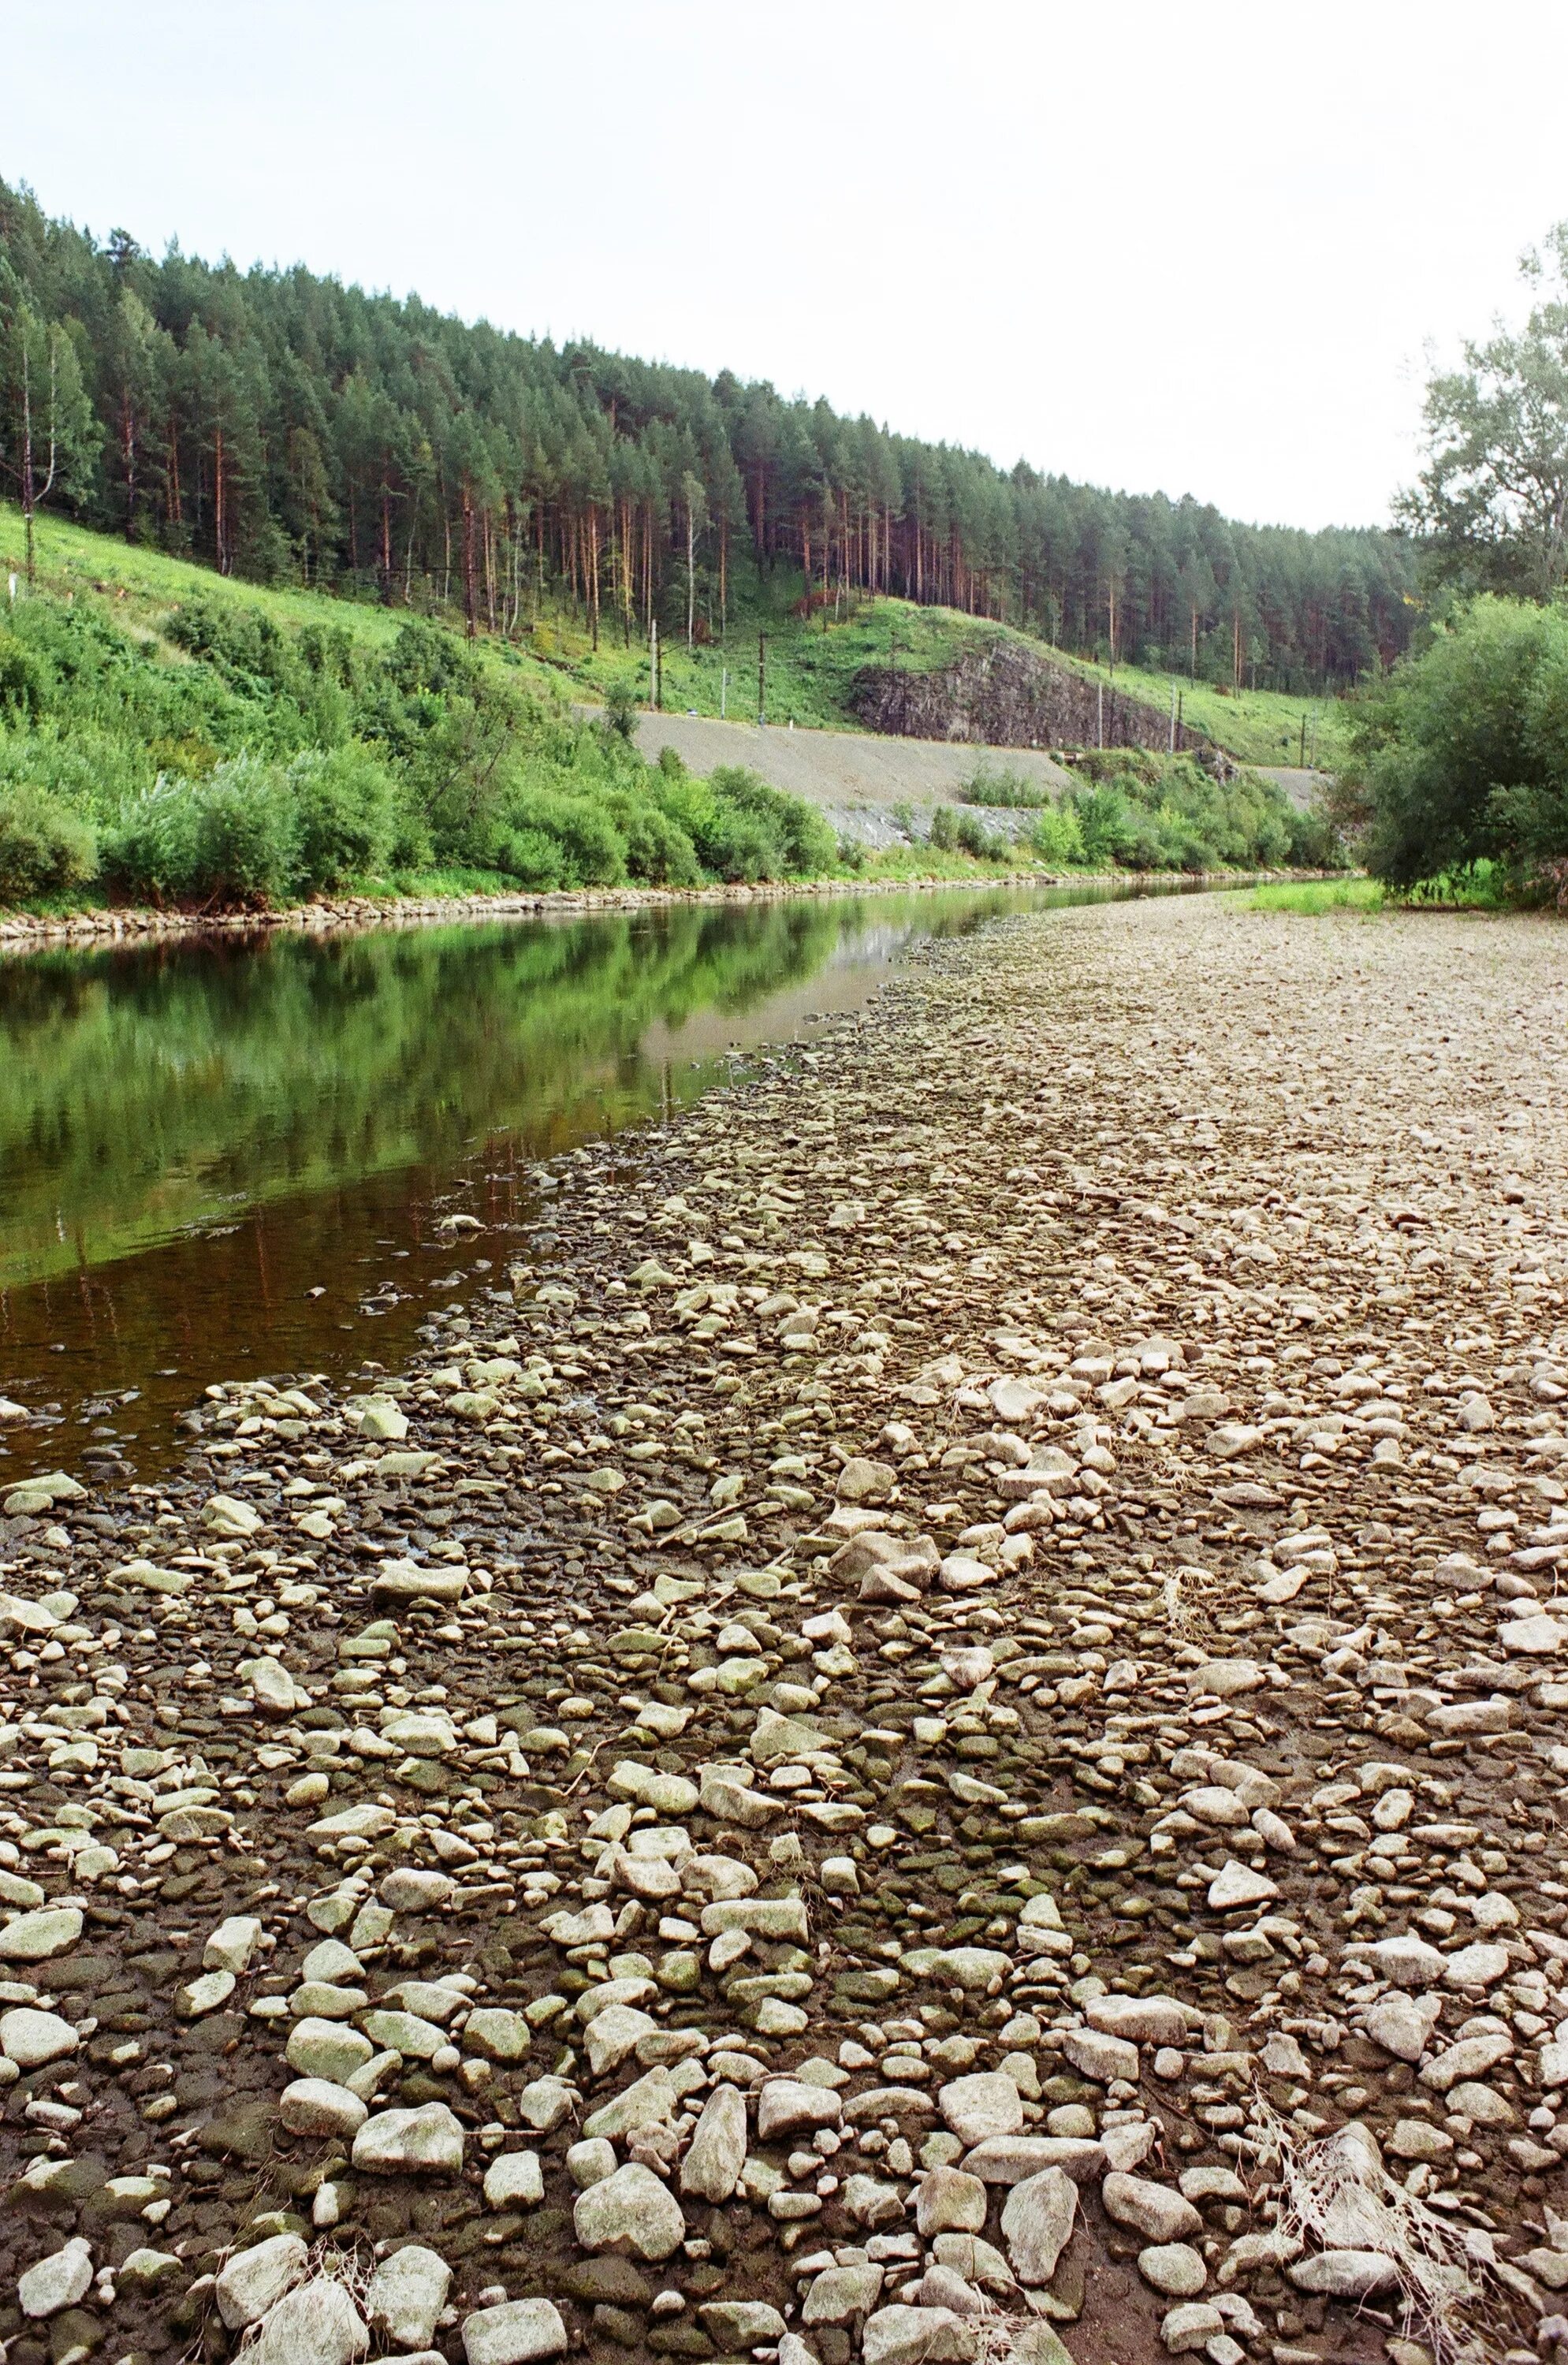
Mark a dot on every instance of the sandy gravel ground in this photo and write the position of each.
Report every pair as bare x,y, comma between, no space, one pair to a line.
938,1736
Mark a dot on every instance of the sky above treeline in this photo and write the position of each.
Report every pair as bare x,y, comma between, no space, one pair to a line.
1205,249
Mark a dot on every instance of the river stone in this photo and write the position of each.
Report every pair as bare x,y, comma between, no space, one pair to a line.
1402,2024
1150,2209
1036,2222
1345,2274
497,2032
1480,1966
839,2294
327,2049
871,2202
409,1889
514,2181
716,2155
650,2101
612,2034
1470,2057
969,1967
255,2279
917,2335
1191,2325
738,2324
977,2107
231,1944
1103,2058
512,2334
30,2038
228,1518
787,2106
314,2106
406,2033
949,2201
314,2324
209,1992
630,2208
60,2281
406,2296
1008,2159
36,1937
1142,2020
427,2141
1174,2268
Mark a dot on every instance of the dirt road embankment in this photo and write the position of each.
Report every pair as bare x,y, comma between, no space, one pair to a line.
943,1738
855,779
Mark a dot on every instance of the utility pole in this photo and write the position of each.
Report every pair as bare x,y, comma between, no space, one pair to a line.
1312,756
656,666
761,679
723,692
1181,696
1304,742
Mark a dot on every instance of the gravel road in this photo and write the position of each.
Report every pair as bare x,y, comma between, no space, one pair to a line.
940,1736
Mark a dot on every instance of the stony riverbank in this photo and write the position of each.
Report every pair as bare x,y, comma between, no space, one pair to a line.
28,930
939,1736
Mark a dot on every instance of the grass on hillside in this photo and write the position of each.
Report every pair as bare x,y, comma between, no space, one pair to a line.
140,588
1257,726
811,665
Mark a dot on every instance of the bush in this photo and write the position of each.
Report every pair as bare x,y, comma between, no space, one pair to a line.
985,845
546,839
23,684
1055,837
44,846
658,850
347,817
1462,757
1006,788
229,839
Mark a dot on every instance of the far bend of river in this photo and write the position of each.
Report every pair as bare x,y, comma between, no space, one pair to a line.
226,1155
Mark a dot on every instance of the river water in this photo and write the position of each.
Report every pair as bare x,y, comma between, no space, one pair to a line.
226,1155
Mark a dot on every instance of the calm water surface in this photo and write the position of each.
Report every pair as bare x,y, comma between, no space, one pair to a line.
226,1155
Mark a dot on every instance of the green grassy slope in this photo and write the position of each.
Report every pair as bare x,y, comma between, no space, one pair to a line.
810,666
810,669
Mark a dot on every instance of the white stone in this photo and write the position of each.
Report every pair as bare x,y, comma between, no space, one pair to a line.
985,2104
231,1944
514,2333
60,2281
406,2296
716,2155
314,2324
1037,2222
632,2209
36,1937
1150,2209
427,2141
254,2280
315,2106
514,2179
30,2038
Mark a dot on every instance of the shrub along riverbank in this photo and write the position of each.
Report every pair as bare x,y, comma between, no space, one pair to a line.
224,758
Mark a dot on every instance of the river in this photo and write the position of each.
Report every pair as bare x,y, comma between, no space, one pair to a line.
223,1154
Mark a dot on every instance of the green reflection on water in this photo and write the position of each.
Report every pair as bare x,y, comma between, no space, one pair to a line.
146,1091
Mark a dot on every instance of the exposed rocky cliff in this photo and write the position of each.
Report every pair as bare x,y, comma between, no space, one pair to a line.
1005,695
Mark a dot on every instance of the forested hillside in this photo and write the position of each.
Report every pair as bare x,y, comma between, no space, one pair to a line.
280,426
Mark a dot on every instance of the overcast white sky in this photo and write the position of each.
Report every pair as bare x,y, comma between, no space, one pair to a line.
1199,248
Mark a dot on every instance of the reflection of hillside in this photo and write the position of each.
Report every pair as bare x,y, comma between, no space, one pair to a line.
144,1089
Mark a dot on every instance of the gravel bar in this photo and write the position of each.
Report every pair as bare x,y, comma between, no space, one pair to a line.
939,1736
